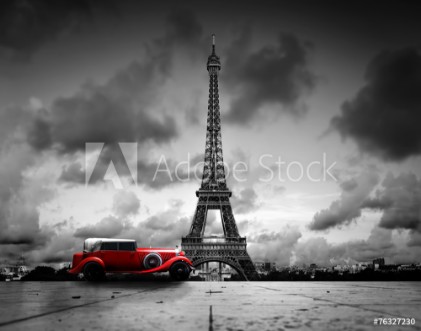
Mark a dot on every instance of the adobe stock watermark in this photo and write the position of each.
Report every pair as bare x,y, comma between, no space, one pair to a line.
114,163
119,164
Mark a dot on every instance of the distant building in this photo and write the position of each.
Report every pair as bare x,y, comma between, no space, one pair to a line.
364,265
378,263
259,265
13,272
269,266
407,267
337,268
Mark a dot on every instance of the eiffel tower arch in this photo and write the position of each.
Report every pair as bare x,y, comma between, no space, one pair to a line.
213,193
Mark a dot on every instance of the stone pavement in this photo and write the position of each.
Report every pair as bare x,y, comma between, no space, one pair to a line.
209,306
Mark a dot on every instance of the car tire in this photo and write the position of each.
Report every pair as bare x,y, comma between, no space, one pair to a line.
93,272
180,271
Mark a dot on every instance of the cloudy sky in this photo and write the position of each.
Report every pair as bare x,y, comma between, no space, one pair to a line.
330,91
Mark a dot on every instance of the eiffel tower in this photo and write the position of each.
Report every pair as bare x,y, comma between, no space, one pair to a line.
230,249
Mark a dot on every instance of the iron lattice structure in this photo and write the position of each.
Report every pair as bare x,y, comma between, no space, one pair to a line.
230,249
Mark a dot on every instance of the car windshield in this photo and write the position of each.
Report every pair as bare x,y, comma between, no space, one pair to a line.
91,245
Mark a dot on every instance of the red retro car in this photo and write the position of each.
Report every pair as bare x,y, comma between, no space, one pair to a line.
102,255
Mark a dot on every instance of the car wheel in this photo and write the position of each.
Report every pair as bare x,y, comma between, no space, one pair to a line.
180,271
93,272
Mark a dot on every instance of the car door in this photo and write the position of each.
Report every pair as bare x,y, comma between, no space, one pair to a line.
128,257
108,254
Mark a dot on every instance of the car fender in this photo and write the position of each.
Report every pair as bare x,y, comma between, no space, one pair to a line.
167,264
79,268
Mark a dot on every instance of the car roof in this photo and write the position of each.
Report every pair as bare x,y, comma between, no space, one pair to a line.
109,240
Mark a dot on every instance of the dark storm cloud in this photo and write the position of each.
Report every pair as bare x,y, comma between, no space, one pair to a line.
122,109
192,115
384,117
108,227
183,32
126,203
12,119
183,28
118,111
60,246
73,173
414,239
163,229
400,201
275,75
245,201
319,251
39,141
349,185
313,250
274,246
26,25
19,199
19,196
348,207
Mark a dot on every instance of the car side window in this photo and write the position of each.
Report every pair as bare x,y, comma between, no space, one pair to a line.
111,246
126,246
96,247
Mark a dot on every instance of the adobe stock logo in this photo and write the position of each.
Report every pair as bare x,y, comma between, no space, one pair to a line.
115,163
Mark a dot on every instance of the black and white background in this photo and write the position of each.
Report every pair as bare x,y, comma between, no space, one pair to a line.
300,80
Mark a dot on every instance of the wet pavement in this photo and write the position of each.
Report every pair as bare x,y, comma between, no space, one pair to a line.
207,305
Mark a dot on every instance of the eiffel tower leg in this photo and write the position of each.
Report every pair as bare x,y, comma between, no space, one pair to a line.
229,222
198,224
248,267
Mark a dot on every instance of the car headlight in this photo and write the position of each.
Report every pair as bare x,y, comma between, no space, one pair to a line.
177,251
